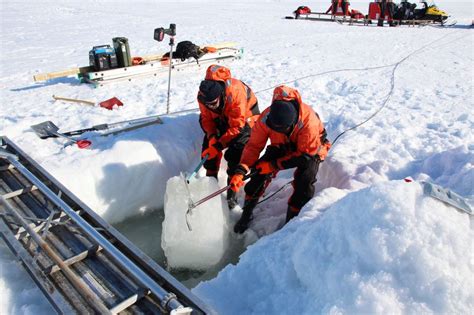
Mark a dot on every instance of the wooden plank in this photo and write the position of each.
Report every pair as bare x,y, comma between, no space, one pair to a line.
74,259
29,204
74,100
128,301
59,74
19,192
6,167
59,218
111,284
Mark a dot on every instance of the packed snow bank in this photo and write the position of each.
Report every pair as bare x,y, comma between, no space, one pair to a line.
124,175
205,244
382,249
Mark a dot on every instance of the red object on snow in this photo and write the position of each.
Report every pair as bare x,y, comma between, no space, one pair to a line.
375,12
408,180
83,144
355,14
110,103
303,10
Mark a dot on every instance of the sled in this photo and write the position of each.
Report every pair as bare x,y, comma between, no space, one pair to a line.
145,66
446,196
403,14
313,16
159,67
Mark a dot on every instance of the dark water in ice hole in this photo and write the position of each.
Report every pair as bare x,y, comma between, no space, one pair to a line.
145,232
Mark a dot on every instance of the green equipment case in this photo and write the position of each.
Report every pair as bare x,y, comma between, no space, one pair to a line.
122,50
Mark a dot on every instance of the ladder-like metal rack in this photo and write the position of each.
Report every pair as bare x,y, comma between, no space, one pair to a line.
80,262
99,78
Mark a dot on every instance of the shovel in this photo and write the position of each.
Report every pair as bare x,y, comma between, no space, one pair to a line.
108,104
48,129
128,125
192,205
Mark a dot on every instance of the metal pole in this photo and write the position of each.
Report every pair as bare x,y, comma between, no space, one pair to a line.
169,74
171,302
216,193
77,282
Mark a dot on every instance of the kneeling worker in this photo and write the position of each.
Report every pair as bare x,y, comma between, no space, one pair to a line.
297,139
228,110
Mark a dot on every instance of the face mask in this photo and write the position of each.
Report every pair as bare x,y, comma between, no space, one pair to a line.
213,105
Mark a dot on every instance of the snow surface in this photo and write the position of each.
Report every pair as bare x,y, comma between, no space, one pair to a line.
385,249
366,243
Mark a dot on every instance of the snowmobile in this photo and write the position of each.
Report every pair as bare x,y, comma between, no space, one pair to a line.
430,12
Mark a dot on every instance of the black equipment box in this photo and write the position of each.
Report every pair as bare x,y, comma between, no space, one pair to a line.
103,58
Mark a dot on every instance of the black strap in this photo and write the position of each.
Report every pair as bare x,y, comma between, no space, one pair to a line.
254,109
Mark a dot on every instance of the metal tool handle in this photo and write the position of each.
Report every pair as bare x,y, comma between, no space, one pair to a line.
218,192
197,168
112,125
169,73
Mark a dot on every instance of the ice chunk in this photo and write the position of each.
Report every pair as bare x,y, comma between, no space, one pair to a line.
203,246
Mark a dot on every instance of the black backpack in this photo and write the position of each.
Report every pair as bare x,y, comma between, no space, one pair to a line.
187,49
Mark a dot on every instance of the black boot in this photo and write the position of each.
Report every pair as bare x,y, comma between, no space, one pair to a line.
290,214
231,199
242,225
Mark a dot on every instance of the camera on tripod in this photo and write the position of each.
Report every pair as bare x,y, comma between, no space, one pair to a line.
160,32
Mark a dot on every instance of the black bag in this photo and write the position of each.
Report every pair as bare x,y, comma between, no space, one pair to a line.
187,49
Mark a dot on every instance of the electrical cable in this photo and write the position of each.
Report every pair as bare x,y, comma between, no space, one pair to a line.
384,103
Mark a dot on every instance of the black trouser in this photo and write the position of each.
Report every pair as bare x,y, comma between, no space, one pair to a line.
303,181
257,184
232,154
303,184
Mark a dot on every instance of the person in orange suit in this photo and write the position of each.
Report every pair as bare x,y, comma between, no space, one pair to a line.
297,140
228,110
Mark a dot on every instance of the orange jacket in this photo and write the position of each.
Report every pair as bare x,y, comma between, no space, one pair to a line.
239,101
306,139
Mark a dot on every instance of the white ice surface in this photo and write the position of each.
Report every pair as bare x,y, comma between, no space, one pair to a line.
201,242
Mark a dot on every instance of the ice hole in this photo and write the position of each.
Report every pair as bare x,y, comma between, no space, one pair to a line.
196,255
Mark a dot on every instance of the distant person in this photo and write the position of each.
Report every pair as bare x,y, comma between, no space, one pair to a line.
297,140
336,4
228,110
